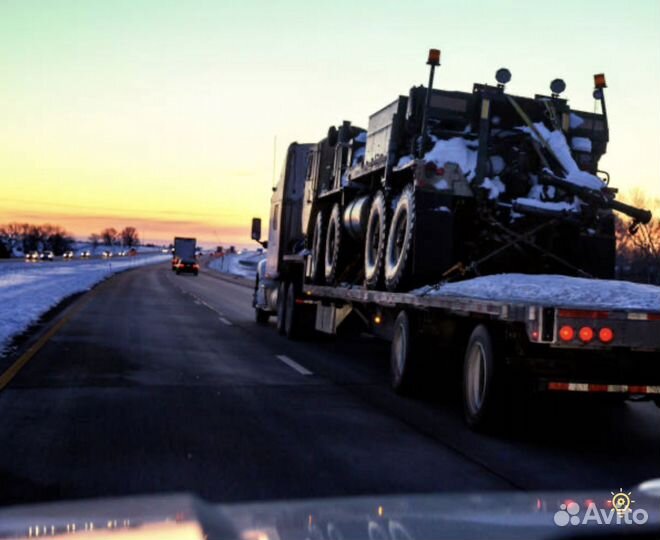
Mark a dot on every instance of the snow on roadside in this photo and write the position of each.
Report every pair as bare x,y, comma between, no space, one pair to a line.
562,291
238,264
28,290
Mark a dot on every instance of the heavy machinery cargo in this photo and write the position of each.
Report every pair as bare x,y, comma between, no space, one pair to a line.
445,187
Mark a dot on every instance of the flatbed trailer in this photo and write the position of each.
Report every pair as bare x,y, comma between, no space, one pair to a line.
415,199
497,348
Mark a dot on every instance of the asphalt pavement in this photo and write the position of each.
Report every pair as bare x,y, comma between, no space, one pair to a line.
157,383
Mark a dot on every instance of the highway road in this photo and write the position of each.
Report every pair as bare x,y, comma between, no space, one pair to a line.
155,383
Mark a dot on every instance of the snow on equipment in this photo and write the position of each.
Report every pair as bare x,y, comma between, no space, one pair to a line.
466,228
445,185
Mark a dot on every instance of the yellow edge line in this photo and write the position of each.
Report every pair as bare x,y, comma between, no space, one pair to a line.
16,367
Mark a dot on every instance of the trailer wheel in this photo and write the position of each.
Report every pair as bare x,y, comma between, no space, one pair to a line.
333,243
281,307
374,248
480,377
399,241
292,313
261,316
403,361
318,243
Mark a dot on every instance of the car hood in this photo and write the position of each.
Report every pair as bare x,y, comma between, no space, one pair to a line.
455,516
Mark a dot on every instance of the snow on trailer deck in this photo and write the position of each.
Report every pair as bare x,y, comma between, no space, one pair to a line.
555,290
499,294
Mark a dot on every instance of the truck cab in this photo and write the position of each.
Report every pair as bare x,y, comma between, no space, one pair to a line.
285,233
286,236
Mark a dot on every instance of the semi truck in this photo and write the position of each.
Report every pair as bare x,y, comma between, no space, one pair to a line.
475,228
184,255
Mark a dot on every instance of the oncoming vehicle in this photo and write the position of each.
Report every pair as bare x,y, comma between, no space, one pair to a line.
67,255
187,266
47,256
32,256
85,254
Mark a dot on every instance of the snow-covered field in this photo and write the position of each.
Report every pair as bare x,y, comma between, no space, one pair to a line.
562,291
238,264
28,290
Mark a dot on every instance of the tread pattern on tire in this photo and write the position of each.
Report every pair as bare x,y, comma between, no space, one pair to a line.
331,260
318,245
397,274
373,272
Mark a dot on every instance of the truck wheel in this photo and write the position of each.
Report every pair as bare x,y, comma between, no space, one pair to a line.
261,316
333,241
399,241
318,244
292,328
281,307
403,361
374,248
480,393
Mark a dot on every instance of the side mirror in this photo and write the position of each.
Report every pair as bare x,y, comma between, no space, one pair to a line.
256,229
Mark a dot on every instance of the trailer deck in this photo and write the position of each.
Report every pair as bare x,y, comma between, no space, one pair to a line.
544,304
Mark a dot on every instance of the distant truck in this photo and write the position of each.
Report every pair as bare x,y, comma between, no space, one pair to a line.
445,187
184,250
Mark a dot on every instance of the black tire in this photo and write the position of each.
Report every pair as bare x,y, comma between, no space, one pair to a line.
178,272
292,314
481,397
333,245
398,251
318,249
374,245
281,307
261,316
403,358
196,273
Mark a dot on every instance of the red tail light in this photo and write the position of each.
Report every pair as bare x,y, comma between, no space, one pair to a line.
566,333
606,335
586,334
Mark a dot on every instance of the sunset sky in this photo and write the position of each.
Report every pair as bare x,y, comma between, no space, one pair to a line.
162,114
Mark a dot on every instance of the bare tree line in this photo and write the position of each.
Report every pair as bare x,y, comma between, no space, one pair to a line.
128,237
28,237
638,254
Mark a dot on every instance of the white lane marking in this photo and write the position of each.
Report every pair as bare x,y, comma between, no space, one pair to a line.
293,364
226,321
198,301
